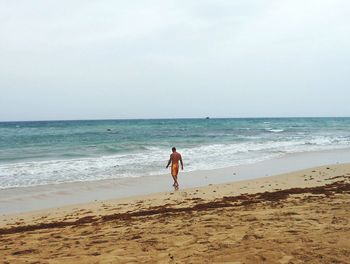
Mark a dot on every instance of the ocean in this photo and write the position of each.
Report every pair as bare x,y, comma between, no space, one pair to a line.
53,152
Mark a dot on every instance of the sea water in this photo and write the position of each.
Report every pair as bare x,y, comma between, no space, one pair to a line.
53,152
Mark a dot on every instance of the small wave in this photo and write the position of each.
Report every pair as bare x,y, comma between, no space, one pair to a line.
74,155
274,130
151,148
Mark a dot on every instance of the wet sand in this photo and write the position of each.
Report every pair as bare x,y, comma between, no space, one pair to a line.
299,217
16,200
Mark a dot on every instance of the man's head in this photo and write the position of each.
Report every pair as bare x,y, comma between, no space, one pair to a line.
173,149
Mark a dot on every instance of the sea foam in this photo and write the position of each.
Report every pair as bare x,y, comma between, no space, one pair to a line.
152,161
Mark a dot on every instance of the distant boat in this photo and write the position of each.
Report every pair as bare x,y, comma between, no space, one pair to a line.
207,117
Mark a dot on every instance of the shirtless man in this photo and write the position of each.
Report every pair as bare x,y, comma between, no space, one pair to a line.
175,157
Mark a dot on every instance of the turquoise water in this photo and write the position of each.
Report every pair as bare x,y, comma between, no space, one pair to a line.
37,153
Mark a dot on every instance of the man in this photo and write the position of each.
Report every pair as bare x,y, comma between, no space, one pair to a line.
175,157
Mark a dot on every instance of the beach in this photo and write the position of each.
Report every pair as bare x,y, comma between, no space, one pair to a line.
297,217
272,190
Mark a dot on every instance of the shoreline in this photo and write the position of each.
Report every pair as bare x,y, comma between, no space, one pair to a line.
283,181
20,200
305,178
299,216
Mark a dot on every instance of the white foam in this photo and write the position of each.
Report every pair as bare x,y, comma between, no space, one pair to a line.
275,130
152,161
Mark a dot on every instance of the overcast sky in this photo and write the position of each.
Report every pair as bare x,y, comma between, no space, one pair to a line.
167,59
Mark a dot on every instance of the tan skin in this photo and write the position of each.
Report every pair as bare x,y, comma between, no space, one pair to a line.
175,157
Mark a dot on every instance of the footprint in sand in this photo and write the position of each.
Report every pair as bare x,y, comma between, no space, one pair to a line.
285,259
184,194
26,251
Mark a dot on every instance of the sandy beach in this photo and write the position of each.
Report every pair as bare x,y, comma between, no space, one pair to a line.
299,217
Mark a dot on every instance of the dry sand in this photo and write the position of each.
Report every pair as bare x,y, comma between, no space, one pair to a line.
300,217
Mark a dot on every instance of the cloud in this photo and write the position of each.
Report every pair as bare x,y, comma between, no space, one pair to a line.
209,53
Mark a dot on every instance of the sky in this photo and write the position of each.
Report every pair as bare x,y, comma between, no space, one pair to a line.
82,59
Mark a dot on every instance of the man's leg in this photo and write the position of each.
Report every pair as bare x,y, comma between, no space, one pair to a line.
175,180
176,184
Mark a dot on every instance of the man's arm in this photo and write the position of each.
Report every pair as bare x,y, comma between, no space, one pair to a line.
168,162
182,165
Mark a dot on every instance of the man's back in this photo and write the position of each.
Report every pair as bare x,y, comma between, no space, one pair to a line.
175,157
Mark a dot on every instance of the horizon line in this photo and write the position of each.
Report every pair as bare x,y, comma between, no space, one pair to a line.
169,118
